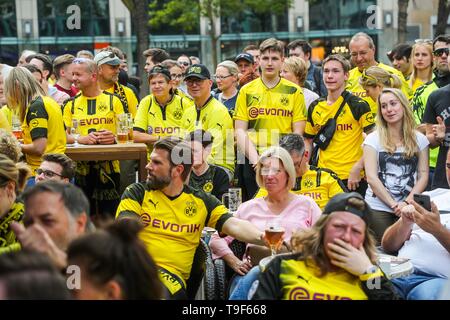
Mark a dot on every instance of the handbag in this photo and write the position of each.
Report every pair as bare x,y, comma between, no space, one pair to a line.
326,132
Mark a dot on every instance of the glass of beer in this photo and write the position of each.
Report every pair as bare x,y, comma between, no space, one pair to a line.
274,233
17,128
130,127
75,131
122,128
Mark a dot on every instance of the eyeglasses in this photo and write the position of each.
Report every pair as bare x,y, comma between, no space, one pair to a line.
221,78
176,76
48,173
184,63
270,171
111,55
192,82
439,52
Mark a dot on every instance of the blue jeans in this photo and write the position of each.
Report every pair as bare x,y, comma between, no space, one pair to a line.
419,286
240,285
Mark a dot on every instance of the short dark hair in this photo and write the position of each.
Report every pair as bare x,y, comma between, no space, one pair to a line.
293,142
46,60
158,55
306,47
73,197
29,275
117,253
441,38
337,57
202,136
32,68
67,164
402,50
179,153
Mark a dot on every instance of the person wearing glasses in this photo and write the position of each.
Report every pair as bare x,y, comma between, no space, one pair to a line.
227,76
56,166
184,61
176,77
441,45
13,177
362,53
160,113
210,115
320,184
422,59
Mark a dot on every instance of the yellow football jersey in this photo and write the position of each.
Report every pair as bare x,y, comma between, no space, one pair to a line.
213,117
43,119
4,122
269,112
356,89
345,148
172,227
127,94
317,183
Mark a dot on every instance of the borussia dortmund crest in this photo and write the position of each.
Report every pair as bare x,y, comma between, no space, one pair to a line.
208,187
309,183
284,101
102,107
191,209
178,114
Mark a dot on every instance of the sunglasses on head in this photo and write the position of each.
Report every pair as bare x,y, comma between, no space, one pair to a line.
79,60
423,41
439,52
365,76
111,55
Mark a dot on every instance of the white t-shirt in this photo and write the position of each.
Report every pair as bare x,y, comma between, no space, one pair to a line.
310,96
426,253
397,173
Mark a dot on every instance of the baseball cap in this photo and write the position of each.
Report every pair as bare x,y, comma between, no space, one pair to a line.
107,57
159,69
340,203
199,71
245,56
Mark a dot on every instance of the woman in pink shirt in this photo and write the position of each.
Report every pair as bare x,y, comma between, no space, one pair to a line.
276,173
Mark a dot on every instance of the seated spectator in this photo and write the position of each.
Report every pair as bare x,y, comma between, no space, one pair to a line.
423,237
294,70
56,166
12,181
275,172
395,161
334,260
375,79
28,275
320,184
56,213
115,264
9,146
204,176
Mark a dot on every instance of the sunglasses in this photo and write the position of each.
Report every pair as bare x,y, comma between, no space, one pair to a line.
439,52
222,77
48,173
365,76
423,41
185,63
80,60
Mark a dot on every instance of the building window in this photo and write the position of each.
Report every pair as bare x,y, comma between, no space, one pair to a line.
53,18
248,22
8,24
341,14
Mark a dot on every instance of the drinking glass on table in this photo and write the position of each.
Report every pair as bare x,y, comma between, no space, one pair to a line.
274,233
122,128
17,127
234,196
75,131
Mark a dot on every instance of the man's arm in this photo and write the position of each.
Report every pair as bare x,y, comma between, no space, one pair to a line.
299,127
395,236
244,143
243,231
435,133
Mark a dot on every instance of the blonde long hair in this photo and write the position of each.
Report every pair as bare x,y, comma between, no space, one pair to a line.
16,172
408,126
429,48
374,76
21,88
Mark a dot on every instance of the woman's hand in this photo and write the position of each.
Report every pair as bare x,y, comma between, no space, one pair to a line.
347,257
241,267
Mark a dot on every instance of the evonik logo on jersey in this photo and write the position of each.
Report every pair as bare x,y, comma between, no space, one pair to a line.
147,221
254,112
94,121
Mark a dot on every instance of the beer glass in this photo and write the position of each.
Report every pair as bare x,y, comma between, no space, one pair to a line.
130,127
234,196
122,128
75,131
274,233
16,127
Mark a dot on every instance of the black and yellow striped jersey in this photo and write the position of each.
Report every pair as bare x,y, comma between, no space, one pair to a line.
8,240
172,226
127,95
43,119
345,148
213,117
320,184
269,112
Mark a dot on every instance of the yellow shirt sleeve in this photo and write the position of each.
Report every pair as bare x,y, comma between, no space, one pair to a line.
67,114
141,119
299,110
4,124
241,106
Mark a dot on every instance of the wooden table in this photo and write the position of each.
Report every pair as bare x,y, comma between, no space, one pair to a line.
120,151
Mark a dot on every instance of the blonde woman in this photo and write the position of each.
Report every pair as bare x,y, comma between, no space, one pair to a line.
422,59
276,173
375,79
395,160
41,117
12,181
294,69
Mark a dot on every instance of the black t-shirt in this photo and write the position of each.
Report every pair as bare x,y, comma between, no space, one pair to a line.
214,181
438,104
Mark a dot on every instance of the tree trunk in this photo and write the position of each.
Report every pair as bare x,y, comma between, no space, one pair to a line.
402,19
212,33
442,17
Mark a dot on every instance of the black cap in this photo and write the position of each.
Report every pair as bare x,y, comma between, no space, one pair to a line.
197,71
245,56
158,69
340,203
